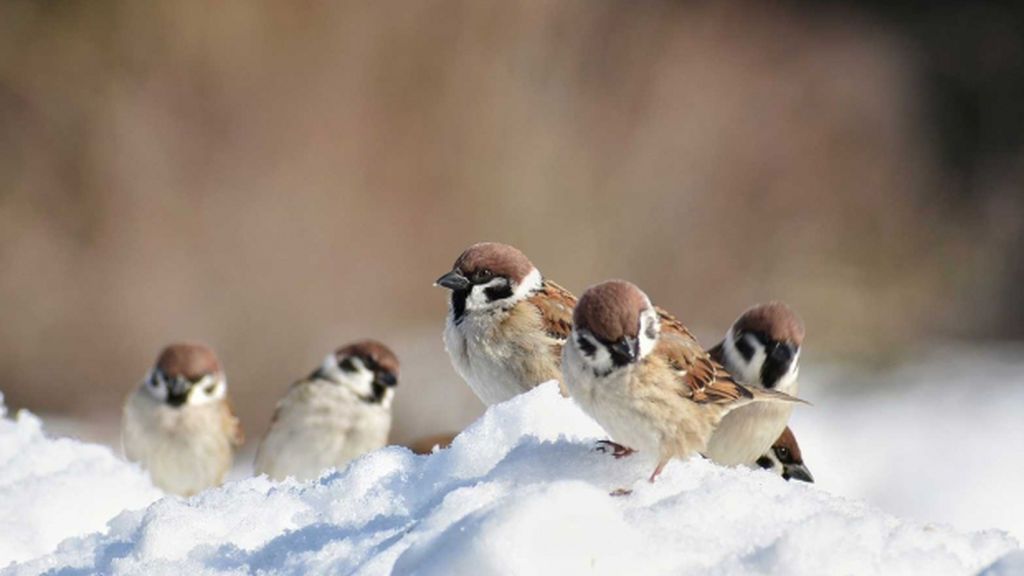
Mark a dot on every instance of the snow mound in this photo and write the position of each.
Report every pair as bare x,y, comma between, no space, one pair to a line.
54,489
522,491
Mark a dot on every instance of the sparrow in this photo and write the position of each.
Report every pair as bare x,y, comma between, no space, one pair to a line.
761,350
506,324
785,460
432,443
644,378
339,412
178,424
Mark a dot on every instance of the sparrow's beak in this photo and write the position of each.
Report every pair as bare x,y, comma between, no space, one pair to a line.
797,472
386,379
453,280
177,391
625,350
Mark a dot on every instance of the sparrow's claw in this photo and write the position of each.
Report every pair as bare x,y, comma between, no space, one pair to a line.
616,450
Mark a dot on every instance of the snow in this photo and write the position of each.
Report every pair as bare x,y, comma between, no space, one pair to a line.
940,439
51,489
521,491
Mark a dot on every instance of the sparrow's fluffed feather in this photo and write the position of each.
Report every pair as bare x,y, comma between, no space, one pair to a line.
644,378
506,324
785,459
760,350
178,424
341,411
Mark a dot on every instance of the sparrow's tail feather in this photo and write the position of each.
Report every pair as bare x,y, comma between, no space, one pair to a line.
766,395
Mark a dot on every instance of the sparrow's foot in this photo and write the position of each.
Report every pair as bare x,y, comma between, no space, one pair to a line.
616,450
620,492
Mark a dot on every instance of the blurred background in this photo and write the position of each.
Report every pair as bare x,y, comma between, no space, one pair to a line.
277,179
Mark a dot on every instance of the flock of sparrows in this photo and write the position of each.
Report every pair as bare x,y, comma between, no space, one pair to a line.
628,364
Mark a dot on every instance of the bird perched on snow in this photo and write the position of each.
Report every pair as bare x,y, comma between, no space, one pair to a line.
506,324
644,378
785,459
761,350
178,425
341,411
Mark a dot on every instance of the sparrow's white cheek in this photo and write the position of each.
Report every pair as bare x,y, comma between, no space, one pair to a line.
209,389
478,299
594,354
156,388
359,381
649,327
748,372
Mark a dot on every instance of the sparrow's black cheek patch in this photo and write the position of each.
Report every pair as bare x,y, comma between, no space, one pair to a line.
348,365
499,292
744,348
586,346
765,462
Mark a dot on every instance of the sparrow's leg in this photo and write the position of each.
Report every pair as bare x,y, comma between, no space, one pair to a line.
617,450
661,466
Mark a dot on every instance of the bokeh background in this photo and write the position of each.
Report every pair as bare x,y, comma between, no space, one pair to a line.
277,179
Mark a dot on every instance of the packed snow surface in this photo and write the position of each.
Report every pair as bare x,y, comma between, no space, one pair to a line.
521,491
53,489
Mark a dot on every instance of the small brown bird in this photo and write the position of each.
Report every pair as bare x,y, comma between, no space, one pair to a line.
760,350
644,378
506,324
427,444
340,412
785,459
178,424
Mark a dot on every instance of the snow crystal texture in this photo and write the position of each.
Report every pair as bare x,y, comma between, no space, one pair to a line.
53,489
521,491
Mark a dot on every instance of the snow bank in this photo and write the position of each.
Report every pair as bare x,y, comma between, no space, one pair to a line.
522,492
941,439
53,489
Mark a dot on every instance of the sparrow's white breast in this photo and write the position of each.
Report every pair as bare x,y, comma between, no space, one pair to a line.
492,360
320,425
609,401
186,449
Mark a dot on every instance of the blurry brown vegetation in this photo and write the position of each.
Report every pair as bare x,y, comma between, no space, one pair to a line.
277,179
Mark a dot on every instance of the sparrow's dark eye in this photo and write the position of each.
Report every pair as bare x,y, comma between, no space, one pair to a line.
783,453
482,275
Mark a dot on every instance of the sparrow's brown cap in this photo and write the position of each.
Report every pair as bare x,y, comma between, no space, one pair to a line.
378,354
191,360
774,319
611,310
788,440
501,259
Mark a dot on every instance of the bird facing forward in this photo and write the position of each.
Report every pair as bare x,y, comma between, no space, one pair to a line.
341,411
761,350
178,425
644,378
506,324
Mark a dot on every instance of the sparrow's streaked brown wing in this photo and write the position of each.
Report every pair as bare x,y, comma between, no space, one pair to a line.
555,304
705,380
